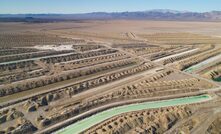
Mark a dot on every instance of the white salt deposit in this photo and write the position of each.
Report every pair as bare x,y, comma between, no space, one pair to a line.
54,47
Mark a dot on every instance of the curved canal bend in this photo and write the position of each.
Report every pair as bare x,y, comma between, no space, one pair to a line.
86,123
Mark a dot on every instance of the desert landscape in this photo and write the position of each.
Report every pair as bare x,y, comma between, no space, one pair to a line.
110,76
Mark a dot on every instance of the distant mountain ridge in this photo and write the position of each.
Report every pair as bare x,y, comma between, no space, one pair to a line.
156,14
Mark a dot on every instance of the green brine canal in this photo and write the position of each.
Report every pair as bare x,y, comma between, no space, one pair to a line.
86,123
218,79
203,63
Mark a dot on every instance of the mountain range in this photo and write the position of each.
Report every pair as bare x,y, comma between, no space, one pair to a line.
157,14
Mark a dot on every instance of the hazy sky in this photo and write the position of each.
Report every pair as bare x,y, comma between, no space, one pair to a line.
83,6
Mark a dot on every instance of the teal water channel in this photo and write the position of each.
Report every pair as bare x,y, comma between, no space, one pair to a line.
86,123
203,63
217,79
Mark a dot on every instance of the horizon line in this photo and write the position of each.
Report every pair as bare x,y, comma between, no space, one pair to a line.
53,13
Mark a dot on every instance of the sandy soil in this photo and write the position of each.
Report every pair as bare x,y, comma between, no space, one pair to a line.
120,27
108,80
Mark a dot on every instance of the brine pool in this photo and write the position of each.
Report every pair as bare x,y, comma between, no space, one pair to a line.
202,64
86,123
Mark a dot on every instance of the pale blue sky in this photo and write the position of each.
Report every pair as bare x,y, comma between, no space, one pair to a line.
84,6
